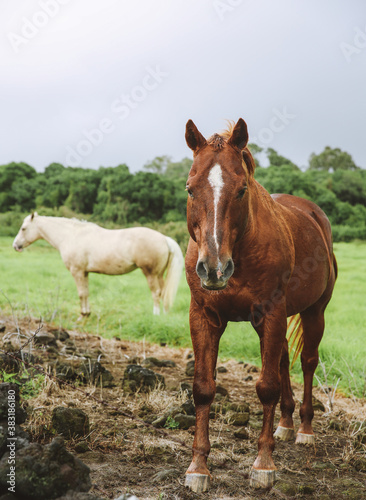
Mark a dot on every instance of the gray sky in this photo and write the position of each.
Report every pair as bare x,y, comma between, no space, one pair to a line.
102,82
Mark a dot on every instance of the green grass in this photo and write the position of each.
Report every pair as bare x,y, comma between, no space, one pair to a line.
36,283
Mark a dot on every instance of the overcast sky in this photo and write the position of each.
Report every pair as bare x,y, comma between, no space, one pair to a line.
103,82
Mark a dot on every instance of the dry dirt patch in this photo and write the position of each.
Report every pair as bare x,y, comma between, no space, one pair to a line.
126,455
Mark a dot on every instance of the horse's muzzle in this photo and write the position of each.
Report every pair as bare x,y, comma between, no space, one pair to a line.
214,278
17,247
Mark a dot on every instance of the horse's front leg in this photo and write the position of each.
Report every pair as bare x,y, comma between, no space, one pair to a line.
82,285
272,333
205,339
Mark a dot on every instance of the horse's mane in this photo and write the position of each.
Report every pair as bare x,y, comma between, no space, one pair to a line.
218,141
73,220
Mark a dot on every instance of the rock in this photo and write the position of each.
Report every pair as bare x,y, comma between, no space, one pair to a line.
2,327
99,375
8,364
161,363
188,407
360,464
60,334
349,488
44,338
242,433
221,390
222,369
336,425
239,419
247,378
164,474
46,472
237,407
253,369
306,489
22,437
318,405
135,360
70,422
185,421
286,488
187,388
159,422
65,371
190,368
139,378
81,447
9,395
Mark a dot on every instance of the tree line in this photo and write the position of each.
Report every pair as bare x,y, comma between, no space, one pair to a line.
155,195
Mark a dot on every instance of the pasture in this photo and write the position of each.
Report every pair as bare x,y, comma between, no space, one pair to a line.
37,284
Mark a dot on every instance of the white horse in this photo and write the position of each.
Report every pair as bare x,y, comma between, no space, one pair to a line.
88,248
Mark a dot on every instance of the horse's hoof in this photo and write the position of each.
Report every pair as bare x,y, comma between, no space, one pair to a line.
284,433
304,438
262,478
197,482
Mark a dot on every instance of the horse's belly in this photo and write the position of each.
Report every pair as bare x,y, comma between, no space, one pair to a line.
111,266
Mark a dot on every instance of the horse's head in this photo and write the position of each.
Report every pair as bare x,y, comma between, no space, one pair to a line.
217,208
28,233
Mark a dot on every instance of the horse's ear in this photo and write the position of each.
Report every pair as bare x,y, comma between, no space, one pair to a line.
239,136
194,138
32,216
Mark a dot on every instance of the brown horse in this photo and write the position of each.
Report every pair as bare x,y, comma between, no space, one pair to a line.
258,258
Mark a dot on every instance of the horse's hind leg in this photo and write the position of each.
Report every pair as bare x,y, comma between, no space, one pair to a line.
313,328
155,287
285,430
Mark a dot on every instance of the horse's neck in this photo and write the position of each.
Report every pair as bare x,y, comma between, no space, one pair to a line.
260,212
54,230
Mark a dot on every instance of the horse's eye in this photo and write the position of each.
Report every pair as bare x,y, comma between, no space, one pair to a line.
242,192
189,192
23,228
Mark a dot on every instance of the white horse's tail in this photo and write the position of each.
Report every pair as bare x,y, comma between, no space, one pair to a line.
174,271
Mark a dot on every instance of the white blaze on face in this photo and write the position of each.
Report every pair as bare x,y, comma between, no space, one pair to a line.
216,182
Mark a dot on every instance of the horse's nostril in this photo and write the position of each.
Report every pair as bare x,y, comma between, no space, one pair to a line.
202,269
228,269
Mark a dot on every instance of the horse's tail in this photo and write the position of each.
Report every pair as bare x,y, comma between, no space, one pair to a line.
174,271
295,336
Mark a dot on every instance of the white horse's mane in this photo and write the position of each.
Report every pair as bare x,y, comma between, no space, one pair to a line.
73,220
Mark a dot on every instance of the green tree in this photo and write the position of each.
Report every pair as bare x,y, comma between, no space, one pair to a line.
17,186
332,160
277,160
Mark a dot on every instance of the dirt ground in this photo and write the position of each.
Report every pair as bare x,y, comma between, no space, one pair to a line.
126,455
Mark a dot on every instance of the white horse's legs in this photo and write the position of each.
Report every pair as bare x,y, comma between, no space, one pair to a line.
82,285
154,285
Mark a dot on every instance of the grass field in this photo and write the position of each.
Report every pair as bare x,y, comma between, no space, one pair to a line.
36,283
